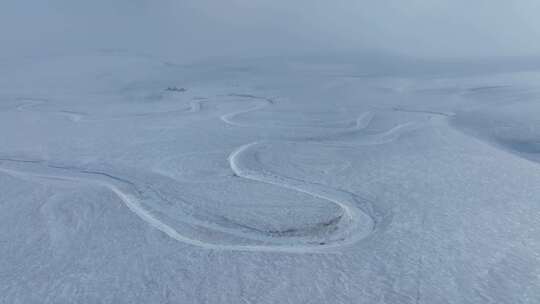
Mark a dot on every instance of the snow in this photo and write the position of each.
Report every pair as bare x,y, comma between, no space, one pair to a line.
269,181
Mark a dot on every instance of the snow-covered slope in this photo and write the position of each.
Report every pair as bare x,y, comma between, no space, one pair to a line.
126,179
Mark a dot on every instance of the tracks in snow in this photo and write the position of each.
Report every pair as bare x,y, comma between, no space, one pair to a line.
262,102
130,194
28,103
357,221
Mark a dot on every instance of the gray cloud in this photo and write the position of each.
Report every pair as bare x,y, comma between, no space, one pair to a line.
188,29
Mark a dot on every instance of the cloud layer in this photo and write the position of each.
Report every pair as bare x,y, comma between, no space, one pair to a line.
190,29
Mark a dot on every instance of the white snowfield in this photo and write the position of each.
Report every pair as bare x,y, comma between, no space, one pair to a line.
125,179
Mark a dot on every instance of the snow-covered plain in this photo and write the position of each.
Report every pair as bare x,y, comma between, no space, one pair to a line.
266,181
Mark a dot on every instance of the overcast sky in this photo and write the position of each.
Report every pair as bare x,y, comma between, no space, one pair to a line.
190,29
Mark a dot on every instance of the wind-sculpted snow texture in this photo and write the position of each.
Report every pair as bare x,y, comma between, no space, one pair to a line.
266,184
